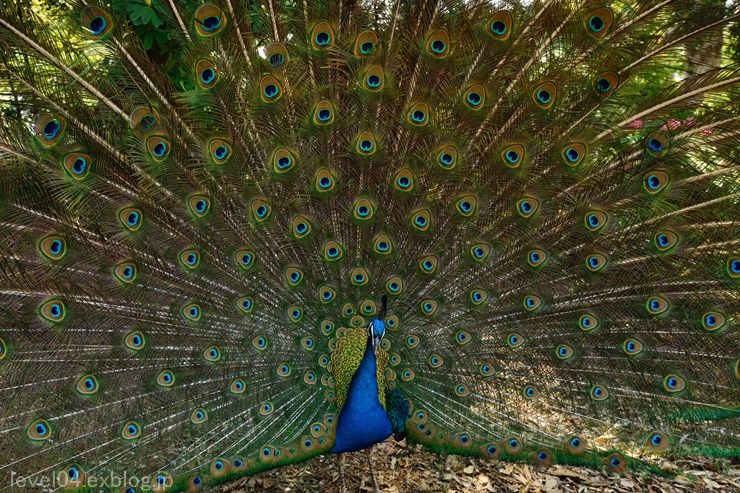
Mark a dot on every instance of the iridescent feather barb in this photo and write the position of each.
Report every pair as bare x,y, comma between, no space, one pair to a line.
499,231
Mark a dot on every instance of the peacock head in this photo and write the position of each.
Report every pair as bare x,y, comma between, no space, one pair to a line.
376,331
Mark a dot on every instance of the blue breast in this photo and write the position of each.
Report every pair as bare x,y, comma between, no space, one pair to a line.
362,421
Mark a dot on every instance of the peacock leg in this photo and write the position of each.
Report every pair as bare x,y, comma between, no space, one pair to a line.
368,455
340,459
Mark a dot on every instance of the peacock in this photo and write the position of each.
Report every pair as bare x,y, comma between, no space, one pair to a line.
506,230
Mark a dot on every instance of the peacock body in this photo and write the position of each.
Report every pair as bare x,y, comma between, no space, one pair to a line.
463,223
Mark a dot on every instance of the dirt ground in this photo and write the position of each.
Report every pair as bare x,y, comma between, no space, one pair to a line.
401,469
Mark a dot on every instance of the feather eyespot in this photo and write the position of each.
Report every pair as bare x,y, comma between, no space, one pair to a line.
125,271
532,302
71,477
428,307
478,296
77,165
513,446
438,43
657,305
266,408
192,312
332,251
491,450
206,74
293,276
407,375
359,277
308,343
513,155
327,294
421,219
486,370
87,385
374,78
466,205
733,267
527,207
199,205
244,258
276,56
327,327
49,128
574,153
209,20
673,383
324,181
219,150
323,113
657,442
394,285
514,340
53,247
219,467
404,180
366,144
284,370
134,340
190,258
447,157
39,430
656,181
435,360
96,22
616,463
166,379
480,252
53,310
599,393
198,416
212,354
632,347
713,321
588,322
295,313
391,322
300,227
606,83
575,445
322,36
656,144
595,262
131,218
428,264
383,245
595,220
366,44
463,337
499,26
259,342
283,160
530,392
544,95
3,349
368,307
599,21
363,209
270,89
475,97
131,431
664,240
536,257
563,352
237,386
260,210
418,114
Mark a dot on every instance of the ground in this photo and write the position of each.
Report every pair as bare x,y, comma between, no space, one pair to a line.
402,469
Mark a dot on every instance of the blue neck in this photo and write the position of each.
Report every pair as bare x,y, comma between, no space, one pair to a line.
362,421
